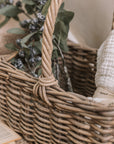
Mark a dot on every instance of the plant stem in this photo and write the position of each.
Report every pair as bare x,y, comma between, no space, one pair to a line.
57,67
35,14
27,15
65,68
28,65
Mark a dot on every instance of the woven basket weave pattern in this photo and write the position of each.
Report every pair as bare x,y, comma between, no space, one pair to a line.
43,112
81,63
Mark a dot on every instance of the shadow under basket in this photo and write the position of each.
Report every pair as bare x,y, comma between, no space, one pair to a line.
46,114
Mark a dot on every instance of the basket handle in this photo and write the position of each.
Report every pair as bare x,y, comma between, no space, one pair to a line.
47,45
47,79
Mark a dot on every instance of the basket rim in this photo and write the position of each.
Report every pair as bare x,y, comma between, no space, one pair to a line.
8,57
80,100
47,48
81,46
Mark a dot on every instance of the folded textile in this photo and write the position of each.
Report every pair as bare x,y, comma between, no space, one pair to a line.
105,64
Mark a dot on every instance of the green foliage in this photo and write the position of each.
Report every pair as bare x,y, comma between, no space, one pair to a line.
38,46
11,46
4,22
26,39
45,8
62,27
10,11
29,9
28,2
16,31
30,45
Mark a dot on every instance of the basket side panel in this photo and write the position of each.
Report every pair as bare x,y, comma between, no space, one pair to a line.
16,100
81,65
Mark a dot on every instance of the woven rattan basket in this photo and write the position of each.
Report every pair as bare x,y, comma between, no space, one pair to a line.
43,112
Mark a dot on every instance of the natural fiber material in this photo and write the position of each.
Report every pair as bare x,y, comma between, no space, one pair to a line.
43,112
104,96
21,142
105,64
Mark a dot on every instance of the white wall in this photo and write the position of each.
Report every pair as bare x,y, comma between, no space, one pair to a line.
93,20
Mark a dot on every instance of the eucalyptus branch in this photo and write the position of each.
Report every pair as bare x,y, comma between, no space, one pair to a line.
28,65
35,68
65,68
57,70
29,44
35,14
55,66
26,14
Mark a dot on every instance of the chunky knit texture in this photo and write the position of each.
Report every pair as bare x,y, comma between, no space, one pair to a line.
105,64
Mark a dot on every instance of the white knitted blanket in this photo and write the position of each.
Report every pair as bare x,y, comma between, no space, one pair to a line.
105,64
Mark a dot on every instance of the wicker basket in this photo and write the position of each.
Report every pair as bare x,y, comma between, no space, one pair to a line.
43,112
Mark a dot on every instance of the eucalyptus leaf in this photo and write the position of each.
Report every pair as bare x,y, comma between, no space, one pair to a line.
63,45
16,18
16,31
38,64
11,46
39,72
55,54
28,2
54,47
31,44
4,22
45,8
62,7
25,40
38,46
61,31
27,54
62,27
65,16
10,11
29,9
